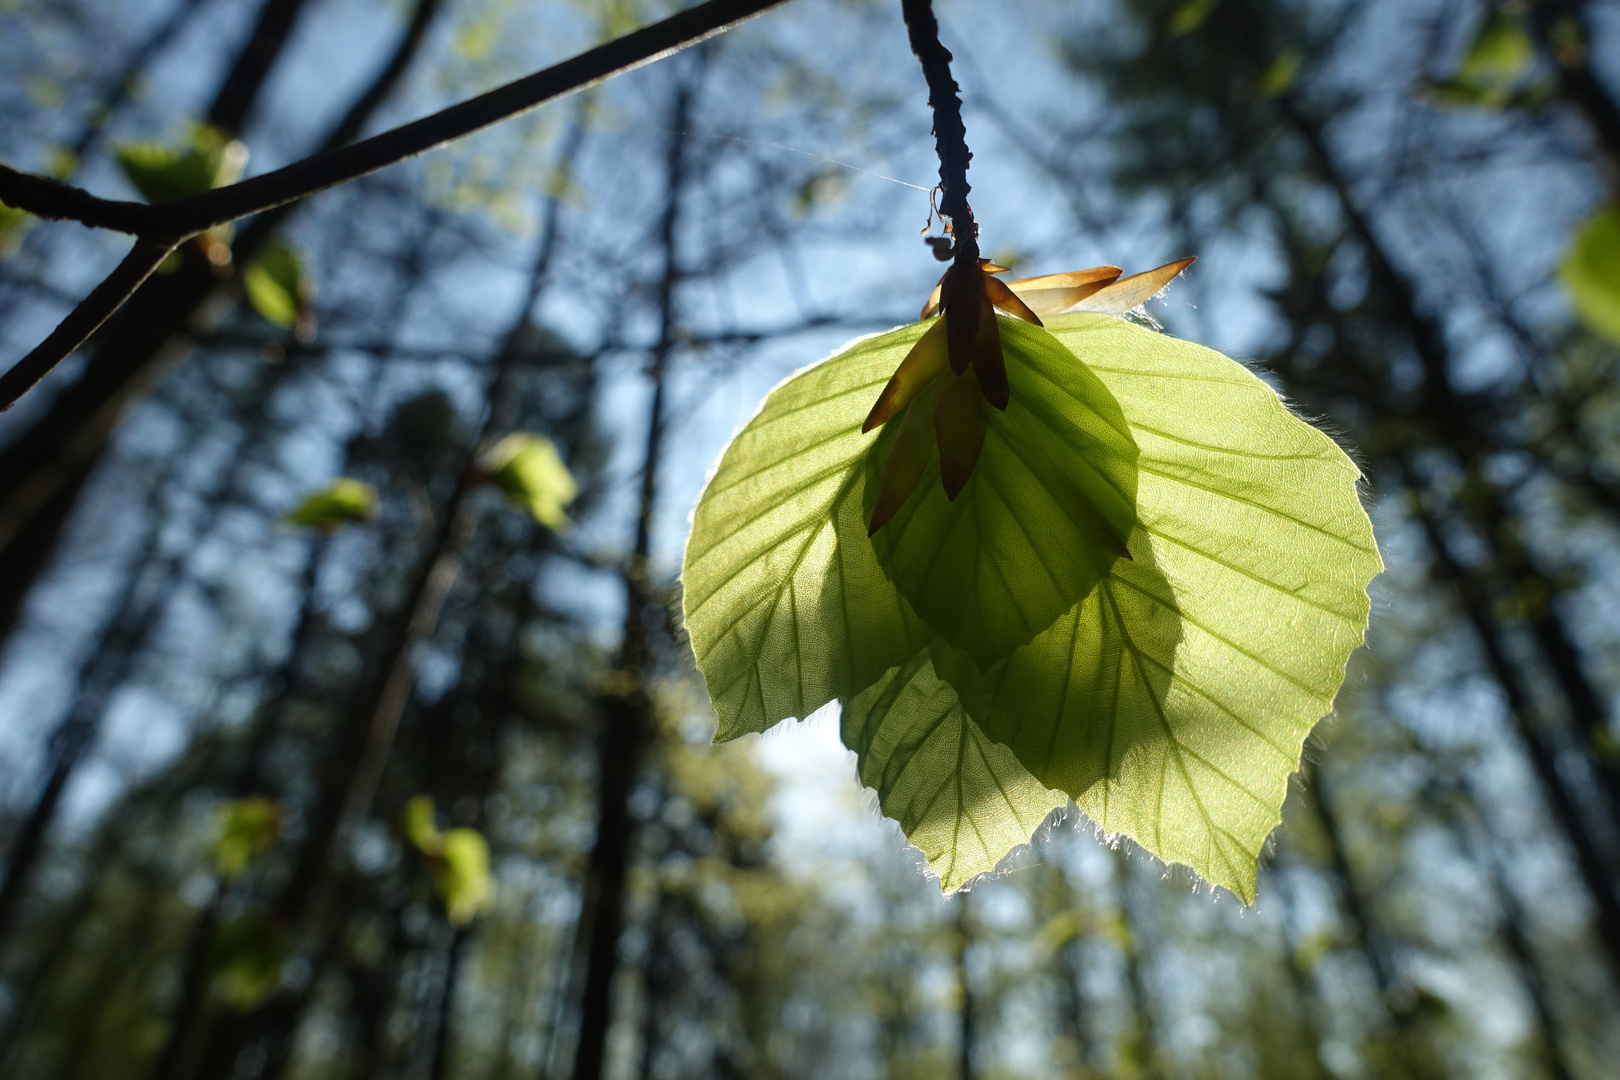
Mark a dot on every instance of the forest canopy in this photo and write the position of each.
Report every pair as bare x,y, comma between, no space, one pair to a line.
365,655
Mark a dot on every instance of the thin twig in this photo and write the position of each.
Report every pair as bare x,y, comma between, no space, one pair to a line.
950,134
177,220
197,213
145,257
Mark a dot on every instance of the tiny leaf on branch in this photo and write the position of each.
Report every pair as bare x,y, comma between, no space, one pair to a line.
531,472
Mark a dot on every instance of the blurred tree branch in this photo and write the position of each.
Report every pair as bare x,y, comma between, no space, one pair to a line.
170,223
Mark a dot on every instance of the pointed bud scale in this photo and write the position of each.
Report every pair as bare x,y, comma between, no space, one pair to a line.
988,363
1052,293
960,297
1007,300
1129,292
921,366
959,426
907,460
933,305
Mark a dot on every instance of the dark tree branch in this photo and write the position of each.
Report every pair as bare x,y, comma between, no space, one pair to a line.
950,134
172,222
95,309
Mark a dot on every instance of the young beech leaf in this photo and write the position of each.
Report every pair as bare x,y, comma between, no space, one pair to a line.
1172,702
1041,519
462,875
247,829
280,289
161,172
962,800
784,601
1591,272
342,501
531,472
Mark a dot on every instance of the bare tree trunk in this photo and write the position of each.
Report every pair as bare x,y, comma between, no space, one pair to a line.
967,1035
1144,1039
1589,863
627,714
1577,82
1414,1051
1484,849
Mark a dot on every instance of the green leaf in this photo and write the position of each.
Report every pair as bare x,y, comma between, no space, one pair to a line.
1591,272
246,957
1042,518
784,601
1493,73
247,829
1279,78
420,828
1173,702
1190,16
459,858
13,223
341,502
531,472
960,799
1501,51
161,172
278,287
462,875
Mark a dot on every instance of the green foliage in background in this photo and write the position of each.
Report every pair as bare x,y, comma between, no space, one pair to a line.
207,159
343,501
280,288
247,828
246,960
531,472
13,223
1591,272
1497,71
1170,698
459,859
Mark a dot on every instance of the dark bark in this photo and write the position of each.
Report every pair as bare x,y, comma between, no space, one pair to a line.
239,93
1144,1037
439,1059
950,134
1414,1052
1578,84
1483,847
626,716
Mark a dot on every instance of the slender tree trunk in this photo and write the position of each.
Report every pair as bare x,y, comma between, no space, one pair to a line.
1300,980
367,741
1482,846
1144,1038
1589,862
626,716
439,1061
967,1035
1414,1052
1578,84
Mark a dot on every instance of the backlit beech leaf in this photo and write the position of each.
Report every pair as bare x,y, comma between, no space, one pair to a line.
1173,702
784,601
1041,519
962,800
